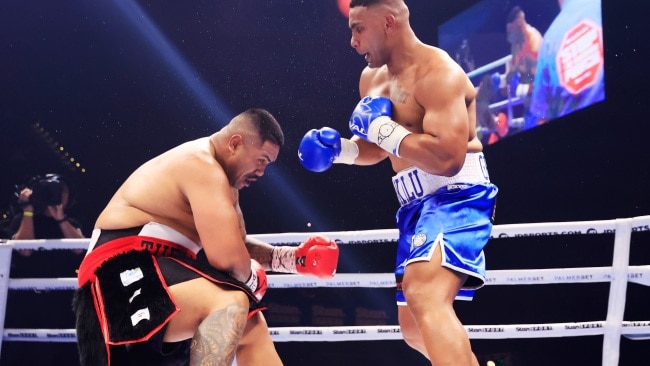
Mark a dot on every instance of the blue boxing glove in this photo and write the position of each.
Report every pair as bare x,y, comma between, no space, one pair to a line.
319,149
514,83
372,120
496,82
369,109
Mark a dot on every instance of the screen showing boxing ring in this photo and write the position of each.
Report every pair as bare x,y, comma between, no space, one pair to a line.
531,63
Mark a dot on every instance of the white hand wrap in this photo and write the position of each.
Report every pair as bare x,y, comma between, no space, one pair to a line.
522,90
349,152
252,281
283,259
387,133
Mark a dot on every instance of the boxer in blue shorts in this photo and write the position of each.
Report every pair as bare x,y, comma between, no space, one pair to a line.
456,214
418,110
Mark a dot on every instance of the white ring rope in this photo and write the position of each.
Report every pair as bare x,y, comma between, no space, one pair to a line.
619,274
512,100
636,274
631,329
641,223
494,64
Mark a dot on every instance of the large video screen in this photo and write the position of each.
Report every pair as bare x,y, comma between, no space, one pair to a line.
531,61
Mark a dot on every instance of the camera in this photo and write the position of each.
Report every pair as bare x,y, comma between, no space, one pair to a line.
46,190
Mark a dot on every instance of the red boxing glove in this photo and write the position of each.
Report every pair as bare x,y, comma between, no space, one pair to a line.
257,282
317,256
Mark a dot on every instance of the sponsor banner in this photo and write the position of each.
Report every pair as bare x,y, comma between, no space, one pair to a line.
384,332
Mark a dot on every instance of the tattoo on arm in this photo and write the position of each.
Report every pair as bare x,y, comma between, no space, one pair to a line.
215,342
261,253
284,259
272,257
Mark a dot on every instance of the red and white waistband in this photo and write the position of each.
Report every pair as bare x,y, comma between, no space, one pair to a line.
156,230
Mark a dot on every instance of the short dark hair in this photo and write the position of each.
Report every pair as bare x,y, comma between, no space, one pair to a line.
514,13
366,3
268,127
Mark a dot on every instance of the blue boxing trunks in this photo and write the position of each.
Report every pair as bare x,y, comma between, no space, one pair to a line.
123,304
455,212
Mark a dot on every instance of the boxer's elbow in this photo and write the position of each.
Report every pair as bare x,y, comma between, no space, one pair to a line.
440,156
234,263
445,165
447,169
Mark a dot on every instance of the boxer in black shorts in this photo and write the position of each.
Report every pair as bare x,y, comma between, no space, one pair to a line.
171,278
141,343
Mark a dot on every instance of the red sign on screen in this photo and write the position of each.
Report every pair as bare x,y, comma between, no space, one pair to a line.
580,58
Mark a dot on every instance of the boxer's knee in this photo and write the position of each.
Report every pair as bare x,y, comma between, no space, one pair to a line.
198,299
217,297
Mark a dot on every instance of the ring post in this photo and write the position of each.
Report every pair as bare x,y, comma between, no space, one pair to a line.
5,267
617,292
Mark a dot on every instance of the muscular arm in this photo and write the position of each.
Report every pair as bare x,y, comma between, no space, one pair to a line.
369,153
442,145
260,251
217,221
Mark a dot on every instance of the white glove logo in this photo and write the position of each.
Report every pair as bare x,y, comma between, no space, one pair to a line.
361,117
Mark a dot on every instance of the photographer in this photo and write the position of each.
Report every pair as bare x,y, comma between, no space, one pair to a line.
40,213
43,202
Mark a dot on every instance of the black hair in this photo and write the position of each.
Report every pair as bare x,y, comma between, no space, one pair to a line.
366,3
268,127
514,13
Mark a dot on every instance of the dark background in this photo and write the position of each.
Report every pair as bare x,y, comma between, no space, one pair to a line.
118,82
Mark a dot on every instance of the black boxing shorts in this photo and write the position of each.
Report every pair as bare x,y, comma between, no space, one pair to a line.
124,282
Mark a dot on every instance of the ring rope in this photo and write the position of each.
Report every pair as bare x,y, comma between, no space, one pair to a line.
636,274
514,101
489,66
639,223
631,329
617,292
619,274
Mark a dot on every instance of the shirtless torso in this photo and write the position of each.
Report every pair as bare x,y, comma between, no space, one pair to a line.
430,126
138,201
194,189
428,96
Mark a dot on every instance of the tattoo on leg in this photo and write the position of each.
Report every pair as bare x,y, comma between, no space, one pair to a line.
215,342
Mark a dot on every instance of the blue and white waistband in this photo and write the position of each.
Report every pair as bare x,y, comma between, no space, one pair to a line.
413,184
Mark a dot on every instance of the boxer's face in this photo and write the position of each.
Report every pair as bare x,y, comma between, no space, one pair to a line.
515,29
253,157
368,33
